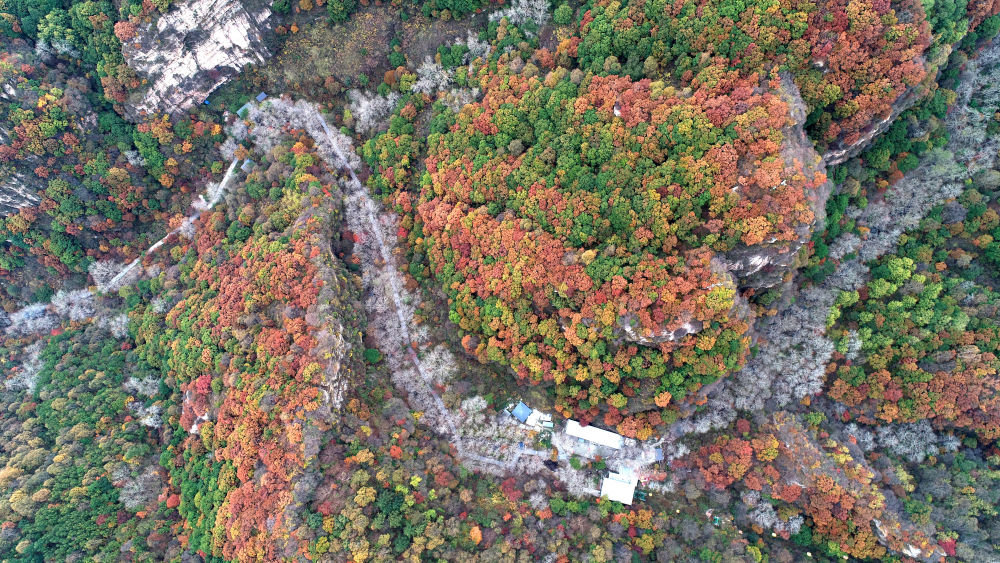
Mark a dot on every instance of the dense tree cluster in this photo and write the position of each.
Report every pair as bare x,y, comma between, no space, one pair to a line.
957,494
90,33
587,197
253,461
245,339
824,491
572,219
449,8
78,459
926,326
97,182
851,60
915,364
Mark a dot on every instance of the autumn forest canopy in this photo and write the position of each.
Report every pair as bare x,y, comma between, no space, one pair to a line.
499,280
578,219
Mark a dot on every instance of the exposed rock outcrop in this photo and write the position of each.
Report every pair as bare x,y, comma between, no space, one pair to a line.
193,49
16,193
21,186
761,265
627,324
765,265
839,152
931,59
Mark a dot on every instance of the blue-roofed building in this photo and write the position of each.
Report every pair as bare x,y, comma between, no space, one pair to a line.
261,97
521,412
658,454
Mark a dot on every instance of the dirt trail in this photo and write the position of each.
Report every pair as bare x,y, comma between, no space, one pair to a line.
360,205
215,192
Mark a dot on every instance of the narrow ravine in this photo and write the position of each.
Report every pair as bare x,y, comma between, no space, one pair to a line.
362,208
794,348
360,204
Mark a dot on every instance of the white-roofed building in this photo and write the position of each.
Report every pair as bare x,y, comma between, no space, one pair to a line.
595,435
620,486
538,419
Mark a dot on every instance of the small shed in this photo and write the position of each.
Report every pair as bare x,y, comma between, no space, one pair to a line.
658,454
261,97
521,412
247,165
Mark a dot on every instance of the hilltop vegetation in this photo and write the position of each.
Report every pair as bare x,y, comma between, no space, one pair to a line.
580,216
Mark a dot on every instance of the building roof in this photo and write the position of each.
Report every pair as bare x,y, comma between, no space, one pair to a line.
538,418
595,435
521,411
619,487
261,97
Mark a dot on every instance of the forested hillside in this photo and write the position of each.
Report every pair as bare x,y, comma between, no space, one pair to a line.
618,280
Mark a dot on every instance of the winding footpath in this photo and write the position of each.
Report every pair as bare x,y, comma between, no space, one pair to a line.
215,192
361,206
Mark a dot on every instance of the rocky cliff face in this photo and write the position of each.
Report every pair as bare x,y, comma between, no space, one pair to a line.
627,322
16,193
19,188
839,153
765,265
761,265
193,49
